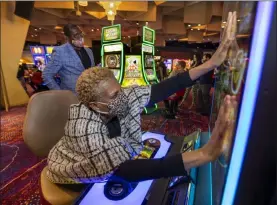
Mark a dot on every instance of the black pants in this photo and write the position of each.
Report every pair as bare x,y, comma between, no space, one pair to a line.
172,105
141,170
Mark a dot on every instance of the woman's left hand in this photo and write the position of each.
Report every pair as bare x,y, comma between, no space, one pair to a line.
229,35
222,135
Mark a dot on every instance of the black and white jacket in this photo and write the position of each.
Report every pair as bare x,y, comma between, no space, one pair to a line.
86,153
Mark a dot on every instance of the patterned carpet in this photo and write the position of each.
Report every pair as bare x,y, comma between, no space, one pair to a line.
20,169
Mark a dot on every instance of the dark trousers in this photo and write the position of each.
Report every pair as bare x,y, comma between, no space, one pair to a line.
172,105
205,98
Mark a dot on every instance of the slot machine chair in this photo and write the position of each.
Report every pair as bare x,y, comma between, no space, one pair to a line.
44,123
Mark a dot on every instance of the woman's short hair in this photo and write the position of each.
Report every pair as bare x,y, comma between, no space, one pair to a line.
87,86
67,29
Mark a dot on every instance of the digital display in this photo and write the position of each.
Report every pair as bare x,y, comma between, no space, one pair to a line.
112,61
150,74
148,35
229,79
111,33
49,49
37,50
133,71
168,64
149,61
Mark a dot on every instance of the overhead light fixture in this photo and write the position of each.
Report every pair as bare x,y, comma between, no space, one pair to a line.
137,23
222,26
191,29
36,29
199,24
110,8
110,12
32,36
224,22
98,29
83,3
39,28
170,39
92,30
124,37
198,29
58,27
129,37
36,35
238,20
189,25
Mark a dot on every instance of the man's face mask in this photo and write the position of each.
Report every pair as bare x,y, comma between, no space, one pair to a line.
78,43
118,106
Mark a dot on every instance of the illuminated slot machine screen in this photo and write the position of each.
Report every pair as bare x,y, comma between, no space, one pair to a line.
112,61
133,71
149,61
168,64
231,79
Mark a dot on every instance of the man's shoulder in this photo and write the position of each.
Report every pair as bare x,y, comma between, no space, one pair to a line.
61,48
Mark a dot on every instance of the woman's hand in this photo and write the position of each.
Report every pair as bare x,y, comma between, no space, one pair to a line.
229,35
222,135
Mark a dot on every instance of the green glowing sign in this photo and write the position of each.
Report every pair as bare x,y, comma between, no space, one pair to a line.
111,33
148,35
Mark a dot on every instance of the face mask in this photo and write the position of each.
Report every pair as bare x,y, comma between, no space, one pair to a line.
78,43
118,106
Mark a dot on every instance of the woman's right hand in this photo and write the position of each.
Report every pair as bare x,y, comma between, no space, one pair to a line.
229,35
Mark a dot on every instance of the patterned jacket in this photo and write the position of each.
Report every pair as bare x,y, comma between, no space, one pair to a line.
86,153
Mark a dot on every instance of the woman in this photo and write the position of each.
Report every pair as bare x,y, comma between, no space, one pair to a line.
103,133
171,103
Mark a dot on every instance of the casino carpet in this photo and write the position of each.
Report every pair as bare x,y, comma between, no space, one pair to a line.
20,169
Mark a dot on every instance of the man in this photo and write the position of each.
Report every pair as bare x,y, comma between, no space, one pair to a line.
68,60
171,103
162,70
206,82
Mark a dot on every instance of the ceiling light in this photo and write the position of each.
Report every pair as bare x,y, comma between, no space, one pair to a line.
224,22
124,37
137,23
35,29
92,30
111,5
222,26
208,39
129,37
191,29
39,28
238,20
189,25
110,12
170,39
83,3
198,29
199,24
36,35
98,29
32,36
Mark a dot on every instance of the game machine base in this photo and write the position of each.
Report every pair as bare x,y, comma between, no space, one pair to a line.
166,191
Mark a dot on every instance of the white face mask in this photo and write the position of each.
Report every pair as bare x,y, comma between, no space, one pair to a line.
78,43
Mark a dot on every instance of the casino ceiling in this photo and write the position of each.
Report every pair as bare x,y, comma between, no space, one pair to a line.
192,21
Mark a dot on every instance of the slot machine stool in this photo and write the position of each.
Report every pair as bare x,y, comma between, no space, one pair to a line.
44,123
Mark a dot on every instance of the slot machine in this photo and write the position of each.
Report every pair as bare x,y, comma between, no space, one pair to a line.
112,51
38,53
246,174
147,54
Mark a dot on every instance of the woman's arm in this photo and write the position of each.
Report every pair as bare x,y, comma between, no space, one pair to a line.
180,164
168,87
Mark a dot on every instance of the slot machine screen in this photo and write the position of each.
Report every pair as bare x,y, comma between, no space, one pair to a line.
229,79
149,60
112,61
